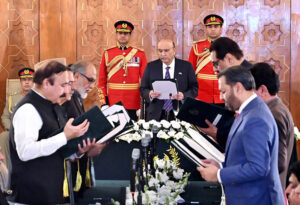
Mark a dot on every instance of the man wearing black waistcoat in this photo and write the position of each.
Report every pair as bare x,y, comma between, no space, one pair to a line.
37,167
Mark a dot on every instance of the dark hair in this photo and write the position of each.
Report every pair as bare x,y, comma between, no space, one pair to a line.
237,74
224,45
264,74
53,67
295,169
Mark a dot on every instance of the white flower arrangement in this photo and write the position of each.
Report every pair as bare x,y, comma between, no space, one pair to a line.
166,185
167,130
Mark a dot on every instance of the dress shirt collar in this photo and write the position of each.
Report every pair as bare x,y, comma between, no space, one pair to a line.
122,47
171,70
38,93
244,104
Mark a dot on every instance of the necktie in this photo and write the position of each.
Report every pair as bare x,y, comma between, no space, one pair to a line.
168,106
236,116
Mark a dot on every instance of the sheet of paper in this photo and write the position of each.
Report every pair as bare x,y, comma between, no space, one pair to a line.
115,109
122,120
184,150
197,137
165,88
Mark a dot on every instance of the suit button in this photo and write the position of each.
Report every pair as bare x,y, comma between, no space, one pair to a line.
124,82
124,74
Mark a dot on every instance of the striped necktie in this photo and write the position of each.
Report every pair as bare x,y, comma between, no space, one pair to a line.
168,106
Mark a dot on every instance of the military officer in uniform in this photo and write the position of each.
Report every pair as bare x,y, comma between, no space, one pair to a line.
121,70
200,59
26,82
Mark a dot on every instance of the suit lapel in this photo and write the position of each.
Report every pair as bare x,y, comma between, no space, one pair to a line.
238,122
160,70
176,69
233,130
77,103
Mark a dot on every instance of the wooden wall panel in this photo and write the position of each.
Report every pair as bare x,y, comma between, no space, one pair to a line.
19,39
261,28
153,20
295,55
58,29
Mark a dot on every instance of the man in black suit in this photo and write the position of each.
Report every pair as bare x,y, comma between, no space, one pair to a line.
224,53
167,67
83,81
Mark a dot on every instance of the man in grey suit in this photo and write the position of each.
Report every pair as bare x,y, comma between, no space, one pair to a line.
167,67
267,86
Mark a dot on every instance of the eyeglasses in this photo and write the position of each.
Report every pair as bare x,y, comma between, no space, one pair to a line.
91,80
216,63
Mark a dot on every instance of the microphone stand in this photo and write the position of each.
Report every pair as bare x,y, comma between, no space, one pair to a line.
140,181
177,100
168,113
133,172
141,174
145,144
152,149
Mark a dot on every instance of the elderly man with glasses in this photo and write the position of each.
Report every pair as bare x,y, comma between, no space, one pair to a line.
84,74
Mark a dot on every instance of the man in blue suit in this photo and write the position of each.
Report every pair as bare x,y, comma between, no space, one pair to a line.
250,171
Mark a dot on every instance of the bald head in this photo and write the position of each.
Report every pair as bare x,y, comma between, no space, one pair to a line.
166,51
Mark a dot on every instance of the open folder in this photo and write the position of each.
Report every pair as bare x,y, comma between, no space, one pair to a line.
99,127
120,122
185,151
196,111
196,147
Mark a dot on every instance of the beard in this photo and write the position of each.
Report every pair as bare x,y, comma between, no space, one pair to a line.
82,92
232,102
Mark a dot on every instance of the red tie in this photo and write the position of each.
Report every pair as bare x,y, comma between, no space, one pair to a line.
236,116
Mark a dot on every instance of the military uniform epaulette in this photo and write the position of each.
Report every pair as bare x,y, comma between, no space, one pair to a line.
199,41
140,49
110,48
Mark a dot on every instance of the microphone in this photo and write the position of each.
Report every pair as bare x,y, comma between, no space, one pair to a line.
135,158
152,148
145,143
168,113
177,93
154,131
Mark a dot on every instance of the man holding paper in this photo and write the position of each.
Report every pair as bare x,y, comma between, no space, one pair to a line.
167,67
250,171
